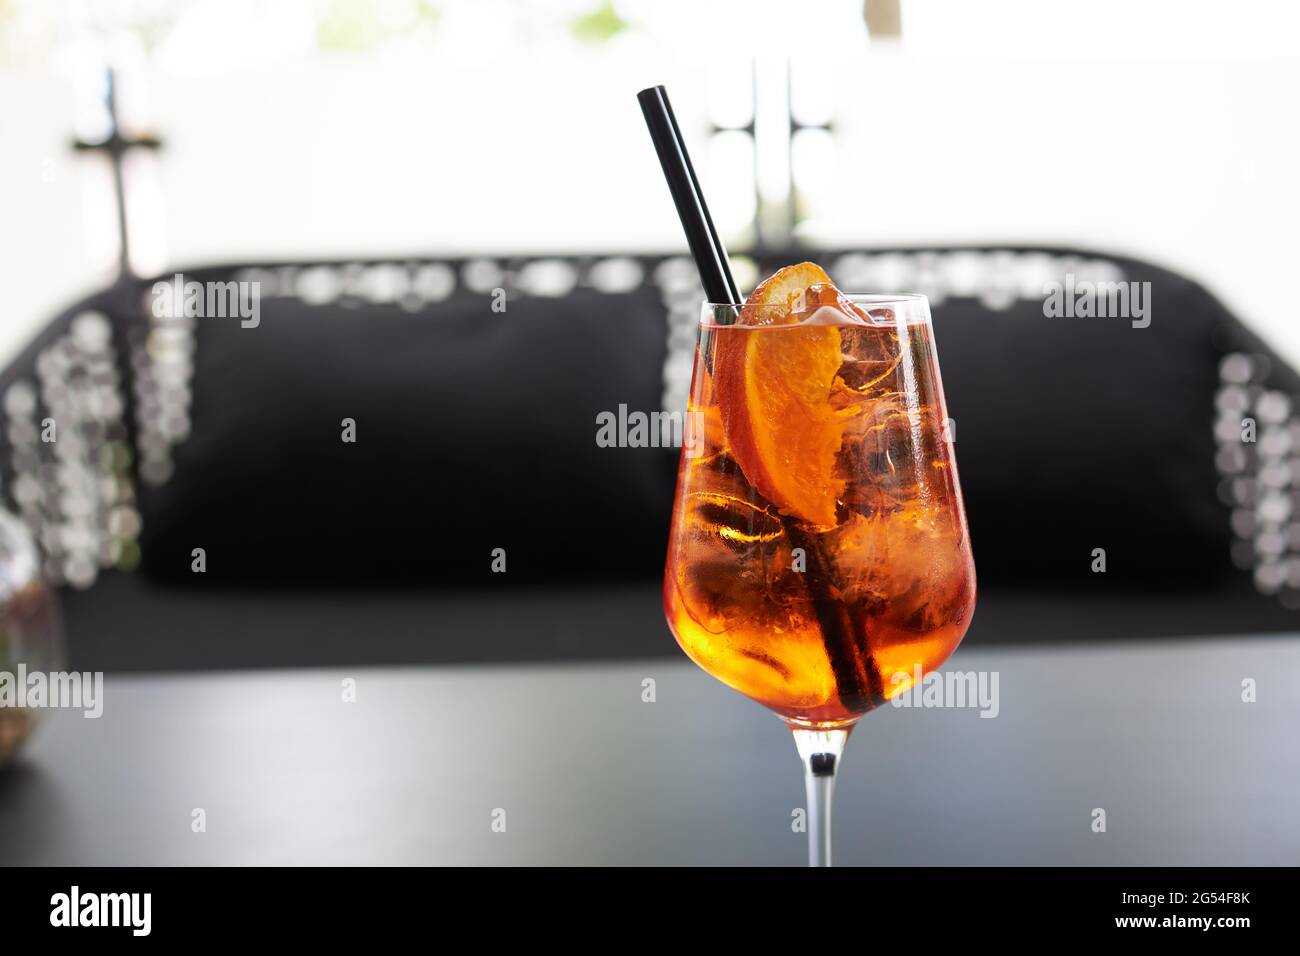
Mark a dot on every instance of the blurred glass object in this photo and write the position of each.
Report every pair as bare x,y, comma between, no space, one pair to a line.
31,640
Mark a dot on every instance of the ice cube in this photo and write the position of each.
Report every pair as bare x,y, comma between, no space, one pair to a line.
823,304
830,315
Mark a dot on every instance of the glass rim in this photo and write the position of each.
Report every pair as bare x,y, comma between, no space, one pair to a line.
881,308
861,298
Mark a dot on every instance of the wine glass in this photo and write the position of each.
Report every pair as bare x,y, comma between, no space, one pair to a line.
819,557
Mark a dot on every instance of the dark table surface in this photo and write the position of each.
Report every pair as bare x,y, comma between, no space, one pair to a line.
416,770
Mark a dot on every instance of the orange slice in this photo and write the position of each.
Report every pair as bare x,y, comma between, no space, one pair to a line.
774,386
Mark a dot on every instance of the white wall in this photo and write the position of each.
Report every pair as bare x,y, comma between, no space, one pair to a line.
1120,134
44,258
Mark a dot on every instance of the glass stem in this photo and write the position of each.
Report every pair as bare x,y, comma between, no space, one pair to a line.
820,751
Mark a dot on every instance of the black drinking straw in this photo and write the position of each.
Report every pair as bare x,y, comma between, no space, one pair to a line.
856,677
706,247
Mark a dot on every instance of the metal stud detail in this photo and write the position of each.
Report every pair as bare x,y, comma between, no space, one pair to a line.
70,458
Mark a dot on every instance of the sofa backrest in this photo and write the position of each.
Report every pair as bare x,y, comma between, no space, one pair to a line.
474,389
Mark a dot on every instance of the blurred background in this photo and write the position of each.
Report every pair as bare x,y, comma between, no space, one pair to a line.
390,171
337,128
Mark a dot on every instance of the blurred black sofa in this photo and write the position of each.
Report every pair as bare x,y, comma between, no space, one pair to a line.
473,388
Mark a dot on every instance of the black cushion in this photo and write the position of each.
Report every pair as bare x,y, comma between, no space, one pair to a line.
475,430
1079,434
